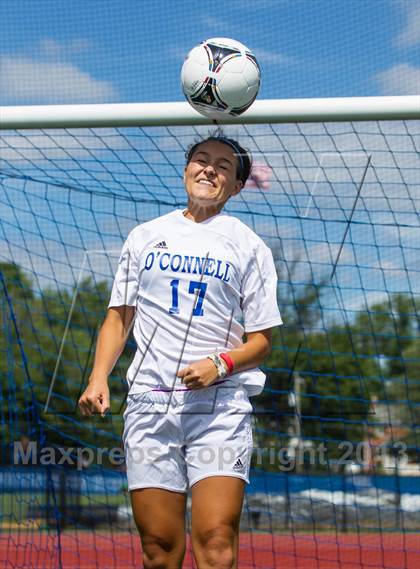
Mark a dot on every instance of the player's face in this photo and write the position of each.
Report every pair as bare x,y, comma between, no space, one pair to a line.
210,176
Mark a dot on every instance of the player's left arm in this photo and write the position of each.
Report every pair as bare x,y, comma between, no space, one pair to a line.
252,353
259,308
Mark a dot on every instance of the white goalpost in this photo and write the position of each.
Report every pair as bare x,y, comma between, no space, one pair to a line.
177,113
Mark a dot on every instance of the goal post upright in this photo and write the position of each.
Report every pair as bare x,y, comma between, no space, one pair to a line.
181,113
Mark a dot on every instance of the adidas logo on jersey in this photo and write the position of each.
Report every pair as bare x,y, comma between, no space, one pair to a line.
160,245
239,465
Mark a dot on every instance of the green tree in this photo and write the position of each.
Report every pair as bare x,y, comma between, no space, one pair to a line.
300,307
42,320
388,328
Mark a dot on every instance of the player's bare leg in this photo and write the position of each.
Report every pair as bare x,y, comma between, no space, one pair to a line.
216,511
160,519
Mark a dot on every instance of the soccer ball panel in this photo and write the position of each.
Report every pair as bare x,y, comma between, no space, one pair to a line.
219,77
251,74
194,72
234,64
233,89
199,55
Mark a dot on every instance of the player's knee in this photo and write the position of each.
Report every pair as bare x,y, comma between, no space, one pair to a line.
218,546
159,553
158,560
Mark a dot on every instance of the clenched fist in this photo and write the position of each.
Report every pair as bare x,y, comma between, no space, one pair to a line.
95,398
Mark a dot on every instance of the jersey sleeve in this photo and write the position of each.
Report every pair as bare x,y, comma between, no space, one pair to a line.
126,280
259,291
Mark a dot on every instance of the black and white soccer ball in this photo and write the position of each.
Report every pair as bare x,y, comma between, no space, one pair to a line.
220,77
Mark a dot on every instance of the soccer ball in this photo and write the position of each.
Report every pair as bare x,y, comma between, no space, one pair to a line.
220,77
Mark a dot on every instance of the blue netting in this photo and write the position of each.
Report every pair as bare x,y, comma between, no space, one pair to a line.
336,429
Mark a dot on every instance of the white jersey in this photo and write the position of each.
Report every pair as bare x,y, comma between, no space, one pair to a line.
197,287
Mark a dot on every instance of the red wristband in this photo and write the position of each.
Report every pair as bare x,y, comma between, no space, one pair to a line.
228,361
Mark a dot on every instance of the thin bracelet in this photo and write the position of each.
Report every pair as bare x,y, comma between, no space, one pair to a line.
228,361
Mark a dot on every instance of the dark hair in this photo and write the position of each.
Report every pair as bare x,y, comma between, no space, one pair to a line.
243,168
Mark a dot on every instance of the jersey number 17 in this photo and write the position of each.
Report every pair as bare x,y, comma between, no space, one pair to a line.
196,287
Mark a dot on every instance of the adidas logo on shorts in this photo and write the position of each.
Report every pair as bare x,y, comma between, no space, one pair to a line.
160,245
239,465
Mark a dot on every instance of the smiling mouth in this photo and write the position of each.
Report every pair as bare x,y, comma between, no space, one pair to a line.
205,182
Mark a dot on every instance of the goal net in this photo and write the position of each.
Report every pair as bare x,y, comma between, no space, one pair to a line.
335,473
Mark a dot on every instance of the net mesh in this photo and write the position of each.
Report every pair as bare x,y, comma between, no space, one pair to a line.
336,427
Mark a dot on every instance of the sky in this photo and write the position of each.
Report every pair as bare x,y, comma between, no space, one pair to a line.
111,51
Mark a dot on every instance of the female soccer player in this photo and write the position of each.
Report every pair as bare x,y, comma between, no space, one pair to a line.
192,283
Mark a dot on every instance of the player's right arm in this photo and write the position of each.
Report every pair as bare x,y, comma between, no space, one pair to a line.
111,341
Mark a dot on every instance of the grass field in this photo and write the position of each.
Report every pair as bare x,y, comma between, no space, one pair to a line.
91,550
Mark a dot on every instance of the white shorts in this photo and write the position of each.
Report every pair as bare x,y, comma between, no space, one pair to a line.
174,439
